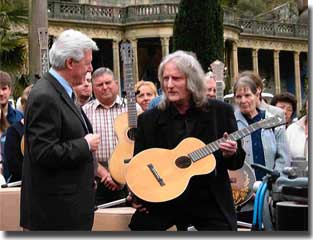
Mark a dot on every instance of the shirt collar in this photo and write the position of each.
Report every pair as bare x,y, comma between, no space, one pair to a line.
118,102
62,81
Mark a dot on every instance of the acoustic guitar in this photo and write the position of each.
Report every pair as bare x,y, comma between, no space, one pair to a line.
22,145
158,175
125,124
242,179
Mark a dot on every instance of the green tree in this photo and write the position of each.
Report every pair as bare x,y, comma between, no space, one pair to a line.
12,42
198,28
13,15
229,3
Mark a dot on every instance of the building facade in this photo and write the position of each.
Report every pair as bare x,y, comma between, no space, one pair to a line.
276,49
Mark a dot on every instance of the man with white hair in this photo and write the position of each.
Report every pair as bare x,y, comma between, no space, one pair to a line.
58,169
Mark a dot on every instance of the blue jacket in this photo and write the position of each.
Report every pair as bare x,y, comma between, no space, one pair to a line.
13,115
276,151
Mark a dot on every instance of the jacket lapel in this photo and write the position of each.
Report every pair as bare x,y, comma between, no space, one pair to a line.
66,98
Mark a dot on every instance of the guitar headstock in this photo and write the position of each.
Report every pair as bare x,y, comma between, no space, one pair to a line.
272,122
126,53
218,70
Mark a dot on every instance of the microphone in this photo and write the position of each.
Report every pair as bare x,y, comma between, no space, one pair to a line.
111,204
12,184
265,169
291,172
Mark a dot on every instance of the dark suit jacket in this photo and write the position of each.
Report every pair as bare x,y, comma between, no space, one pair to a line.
155,130
58,172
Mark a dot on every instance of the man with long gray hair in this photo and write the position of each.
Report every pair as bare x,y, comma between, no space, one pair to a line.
58,169
185,111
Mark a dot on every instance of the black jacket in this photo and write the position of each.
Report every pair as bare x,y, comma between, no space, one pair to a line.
155,129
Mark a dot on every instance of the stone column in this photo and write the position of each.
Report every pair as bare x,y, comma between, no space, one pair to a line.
235,63
276,72
296,56
135,62
255,60
165,42
116,60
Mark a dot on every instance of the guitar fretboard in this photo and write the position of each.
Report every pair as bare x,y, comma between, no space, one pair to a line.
130,95
219,91
214,146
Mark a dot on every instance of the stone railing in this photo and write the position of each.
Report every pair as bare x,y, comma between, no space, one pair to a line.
165,13
90,13
160,12
270,28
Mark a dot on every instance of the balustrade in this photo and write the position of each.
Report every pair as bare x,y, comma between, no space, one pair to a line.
166,12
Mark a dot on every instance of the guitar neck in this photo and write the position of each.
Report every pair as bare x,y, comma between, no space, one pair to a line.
130,96
219,91
214,146
44,49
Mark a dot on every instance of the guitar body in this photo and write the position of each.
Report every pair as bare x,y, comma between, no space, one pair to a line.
22,145
174,173
242,181
124,149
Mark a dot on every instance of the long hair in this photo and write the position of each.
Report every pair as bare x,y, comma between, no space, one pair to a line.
188,65
4,124
70,44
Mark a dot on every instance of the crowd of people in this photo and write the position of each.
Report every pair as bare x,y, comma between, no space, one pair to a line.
67,126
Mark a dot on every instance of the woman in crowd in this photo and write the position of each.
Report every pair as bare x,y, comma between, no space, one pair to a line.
3,127
288,103
12,147
145,91
267,147
297,133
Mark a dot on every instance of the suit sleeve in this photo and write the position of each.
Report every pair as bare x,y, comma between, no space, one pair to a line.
53,141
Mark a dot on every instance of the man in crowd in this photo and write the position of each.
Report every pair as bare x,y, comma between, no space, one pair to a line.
84,91
102,112
9,116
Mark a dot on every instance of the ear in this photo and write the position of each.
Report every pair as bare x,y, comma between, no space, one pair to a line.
69,63
259,92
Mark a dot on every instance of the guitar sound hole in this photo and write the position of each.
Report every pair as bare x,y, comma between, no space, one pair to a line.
131,133
183,162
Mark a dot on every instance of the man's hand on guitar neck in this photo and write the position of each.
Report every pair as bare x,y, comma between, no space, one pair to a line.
229,147
106,178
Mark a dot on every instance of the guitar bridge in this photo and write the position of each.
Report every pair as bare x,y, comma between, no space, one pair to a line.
155,174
